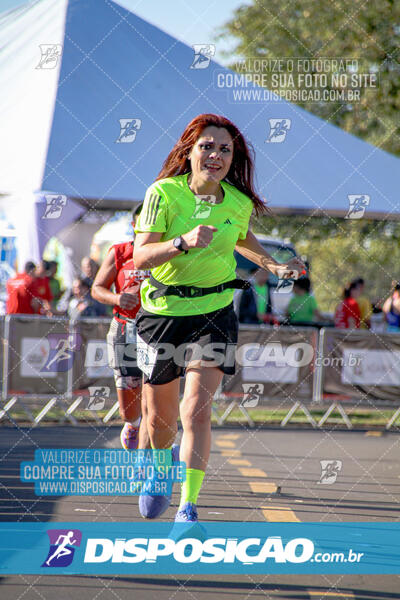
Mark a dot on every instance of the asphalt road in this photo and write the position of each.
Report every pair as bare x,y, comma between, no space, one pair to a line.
261,475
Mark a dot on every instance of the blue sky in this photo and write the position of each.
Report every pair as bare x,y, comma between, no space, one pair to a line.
190,21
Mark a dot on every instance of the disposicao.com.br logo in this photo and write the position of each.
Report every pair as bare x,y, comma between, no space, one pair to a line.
247,551
209,547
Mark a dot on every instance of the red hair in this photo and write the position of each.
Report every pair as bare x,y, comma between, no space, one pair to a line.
241,170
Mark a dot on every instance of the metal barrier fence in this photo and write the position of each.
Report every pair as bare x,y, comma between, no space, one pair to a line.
52,363
58,362
359,367
272,365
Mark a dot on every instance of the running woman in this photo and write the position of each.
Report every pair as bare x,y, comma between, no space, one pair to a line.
118,269
193,217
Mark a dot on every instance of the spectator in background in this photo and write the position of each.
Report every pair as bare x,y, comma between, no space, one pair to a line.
347,314
252,305
391,309
261,292
378,318
364,304
89,268
302,307
54,283
42,292
81,303
21,292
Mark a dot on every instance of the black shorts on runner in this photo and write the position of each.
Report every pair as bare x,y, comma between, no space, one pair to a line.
166,344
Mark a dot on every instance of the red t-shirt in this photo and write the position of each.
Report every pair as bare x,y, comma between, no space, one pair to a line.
20,292
128,278
348,308
41,290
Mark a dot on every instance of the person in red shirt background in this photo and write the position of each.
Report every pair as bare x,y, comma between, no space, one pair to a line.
42,291
21,292
347,314
119,270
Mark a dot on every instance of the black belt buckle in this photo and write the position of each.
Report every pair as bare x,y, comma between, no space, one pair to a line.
219,288
195,292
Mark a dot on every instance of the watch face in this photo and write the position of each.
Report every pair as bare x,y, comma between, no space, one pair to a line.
177,242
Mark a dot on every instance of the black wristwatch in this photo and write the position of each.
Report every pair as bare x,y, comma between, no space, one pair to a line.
178,243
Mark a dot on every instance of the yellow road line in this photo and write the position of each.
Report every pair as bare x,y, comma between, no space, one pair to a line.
225,444
262,487
239,462
229,436
252,472
279,513
373,433
231,453
323,594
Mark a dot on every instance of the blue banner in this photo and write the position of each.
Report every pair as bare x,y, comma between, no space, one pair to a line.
227,548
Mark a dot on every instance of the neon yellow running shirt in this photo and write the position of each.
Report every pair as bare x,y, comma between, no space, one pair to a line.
171,208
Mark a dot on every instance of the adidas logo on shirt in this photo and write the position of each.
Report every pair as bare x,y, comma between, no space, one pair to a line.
227,222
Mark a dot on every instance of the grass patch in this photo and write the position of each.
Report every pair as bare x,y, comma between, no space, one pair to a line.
261,416
362,417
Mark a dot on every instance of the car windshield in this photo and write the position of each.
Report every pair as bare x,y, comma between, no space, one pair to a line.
280,253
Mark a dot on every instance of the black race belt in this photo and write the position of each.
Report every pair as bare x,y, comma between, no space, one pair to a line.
190,291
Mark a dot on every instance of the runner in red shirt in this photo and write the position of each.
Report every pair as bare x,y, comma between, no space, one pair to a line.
347,315
119,270
21,292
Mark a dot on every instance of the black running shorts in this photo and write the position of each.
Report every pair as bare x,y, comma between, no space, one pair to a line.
166,345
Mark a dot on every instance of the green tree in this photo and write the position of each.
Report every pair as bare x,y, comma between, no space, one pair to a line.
368,31
338,249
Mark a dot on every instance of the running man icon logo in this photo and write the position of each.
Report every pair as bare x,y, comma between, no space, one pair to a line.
357,205
204,204
129,127
202,55
329,471
54,206
62,348
285,284
252,393
146,356
278,129
97,397
63,543
50,53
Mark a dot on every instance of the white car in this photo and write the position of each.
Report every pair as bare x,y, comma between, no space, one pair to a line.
282,252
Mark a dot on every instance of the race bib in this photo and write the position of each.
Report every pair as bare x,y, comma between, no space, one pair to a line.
146,356
130,333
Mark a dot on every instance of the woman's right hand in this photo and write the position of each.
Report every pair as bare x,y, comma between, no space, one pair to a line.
200,237
127,300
